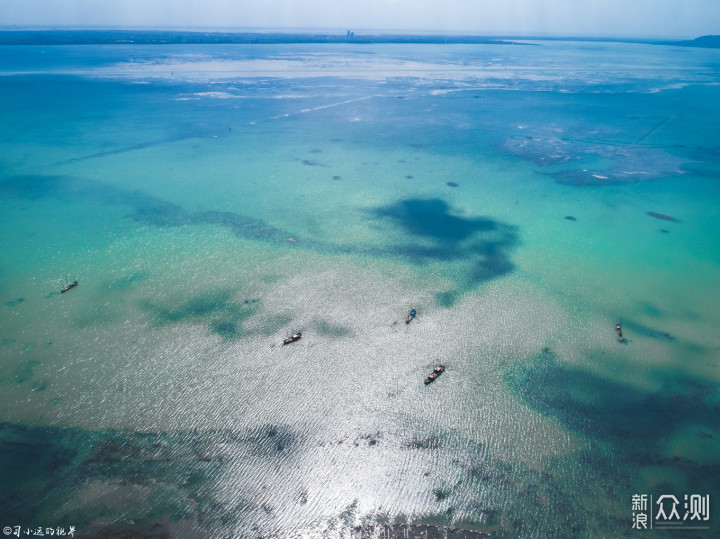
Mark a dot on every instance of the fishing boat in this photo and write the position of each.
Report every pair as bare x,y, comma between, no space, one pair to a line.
618,330
69,286
410,316
295,337
437,371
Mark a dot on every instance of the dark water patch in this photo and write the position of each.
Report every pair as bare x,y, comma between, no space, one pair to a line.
14,302
662,216
369,440
316,150
124,282
146,208
253,301
52,295
348,515
647,331
331,330
33,187
227,329
313,163
409,177
25,370
223,315
605,409
173,470
440,494
570,218
124,149
35,462
269,440
651,310
196,307
451,184
664,231
432,219
434,232
494,263
447,299
336,178
483,242
242,226
427,442
7,341
157,212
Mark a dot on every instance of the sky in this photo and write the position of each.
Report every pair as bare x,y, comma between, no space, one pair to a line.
616,18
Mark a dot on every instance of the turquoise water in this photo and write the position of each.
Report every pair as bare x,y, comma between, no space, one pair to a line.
212,200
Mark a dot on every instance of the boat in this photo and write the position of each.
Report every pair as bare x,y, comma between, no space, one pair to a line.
295,337
618,330
410,316
69,286
437,371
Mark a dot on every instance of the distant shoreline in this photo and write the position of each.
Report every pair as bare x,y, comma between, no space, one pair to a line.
169,37
181,37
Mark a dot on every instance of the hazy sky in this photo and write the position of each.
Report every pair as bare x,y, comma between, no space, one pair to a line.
641,18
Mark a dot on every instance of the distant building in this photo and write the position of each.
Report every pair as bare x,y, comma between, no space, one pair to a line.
350,34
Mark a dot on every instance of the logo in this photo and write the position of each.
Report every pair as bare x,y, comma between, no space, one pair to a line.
668,513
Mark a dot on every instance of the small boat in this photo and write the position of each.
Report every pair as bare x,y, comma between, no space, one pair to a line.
69,286
618,330
295,337
410,316
437,371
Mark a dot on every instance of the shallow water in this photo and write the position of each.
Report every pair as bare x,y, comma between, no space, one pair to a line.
212,200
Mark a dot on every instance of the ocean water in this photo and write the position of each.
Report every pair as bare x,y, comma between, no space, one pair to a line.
212,200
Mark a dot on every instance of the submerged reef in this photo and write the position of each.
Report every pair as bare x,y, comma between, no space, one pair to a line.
630,162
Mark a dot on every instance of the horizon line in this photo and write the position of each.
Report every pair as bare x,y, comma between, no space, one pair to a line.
343,32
